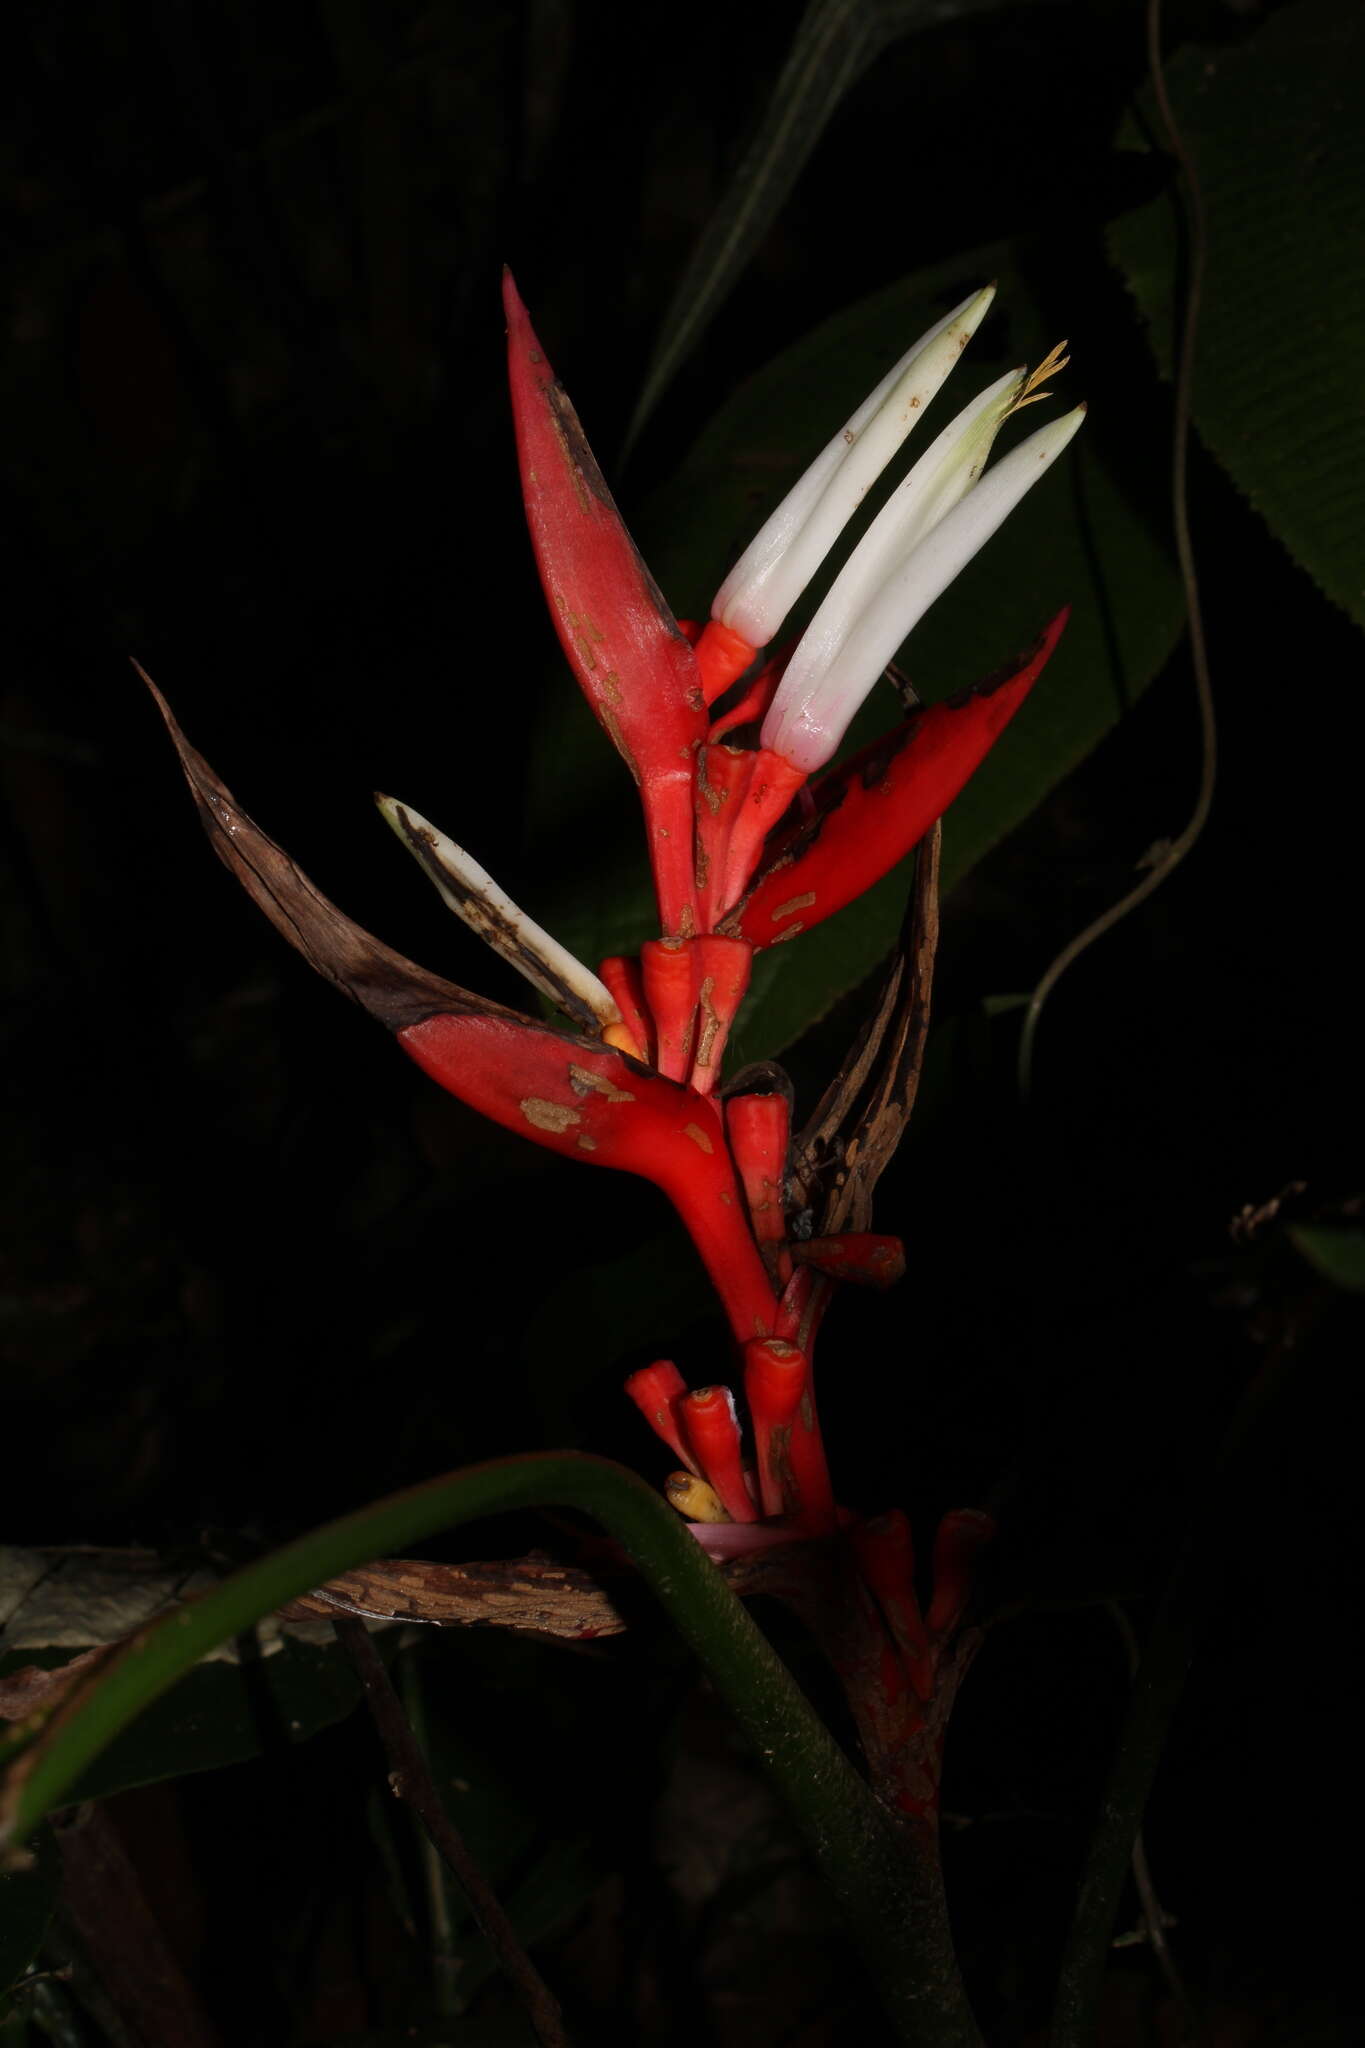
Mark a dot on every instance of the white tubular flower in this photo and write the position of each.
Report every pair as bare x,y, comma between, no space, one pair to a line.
473,895
779,562
943,475
924,537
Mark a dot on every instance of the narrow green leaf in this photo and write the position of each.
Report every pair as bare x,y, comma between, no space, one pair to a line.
833,41
1277,386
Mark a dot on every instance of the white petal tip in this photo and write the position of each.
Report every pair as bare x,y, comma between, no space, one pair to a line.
474,896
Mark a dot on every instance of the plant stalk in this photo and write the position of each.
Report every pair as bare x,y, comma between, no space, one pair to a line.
885,1877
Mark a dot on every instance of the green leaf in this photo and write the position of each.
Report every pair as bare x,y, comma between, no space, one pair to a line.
27,1899
541,1881
1081,538
555,1888
592,1318
835,42
1336,1250
226,1714
1277,384
271,1688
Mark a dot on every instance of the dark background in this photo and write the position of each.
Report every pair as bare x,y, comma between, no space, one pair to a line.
257,1272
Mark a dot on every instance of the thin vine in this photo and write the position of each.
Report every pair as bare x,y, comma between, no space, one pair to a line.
1173,851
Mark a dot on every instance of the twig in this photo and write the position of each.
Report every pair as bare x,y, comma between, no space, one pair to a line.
531,1595
119,1936
1156,1693
1153,1917
1176,849
882,1071
445,1964
412,1782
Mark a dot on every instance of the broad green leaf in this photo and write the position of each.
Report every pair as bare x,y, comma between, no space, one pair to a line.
271,1687
1337,1250
223,1713
1277,131
1081,538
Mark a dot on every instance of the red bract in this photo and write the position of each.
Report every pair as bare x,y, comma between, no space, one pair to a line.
588,1103
633,665
569,1093
871,811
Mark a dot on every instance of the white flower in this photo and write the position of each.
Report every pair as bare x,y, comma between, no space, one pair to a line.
473,895
779,562
943,513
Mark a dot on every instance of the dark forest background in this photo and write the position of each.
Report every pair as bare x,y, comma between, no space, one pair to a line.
256,1271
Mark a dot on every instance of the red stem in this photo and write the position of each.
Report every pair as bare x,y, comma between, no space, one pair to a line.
626,984
656,1391
962,1535
669,971
885,1551
775,1378
721,974
712,1430
759,1130
722,657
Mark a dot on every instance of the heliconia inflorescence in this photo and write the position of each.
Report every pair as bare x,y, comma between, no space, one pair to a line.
745,853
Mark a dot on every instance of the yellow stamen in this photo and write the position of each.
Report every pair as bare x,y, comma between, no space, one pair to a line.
1052,365
623,1039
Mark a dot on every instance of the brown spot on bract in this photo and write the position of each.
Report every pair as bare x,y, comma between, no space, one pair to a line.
780,938
587,1144
611,686
554,393
698,1137
796,903
581,1079
549,1116
617,737
710,1022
